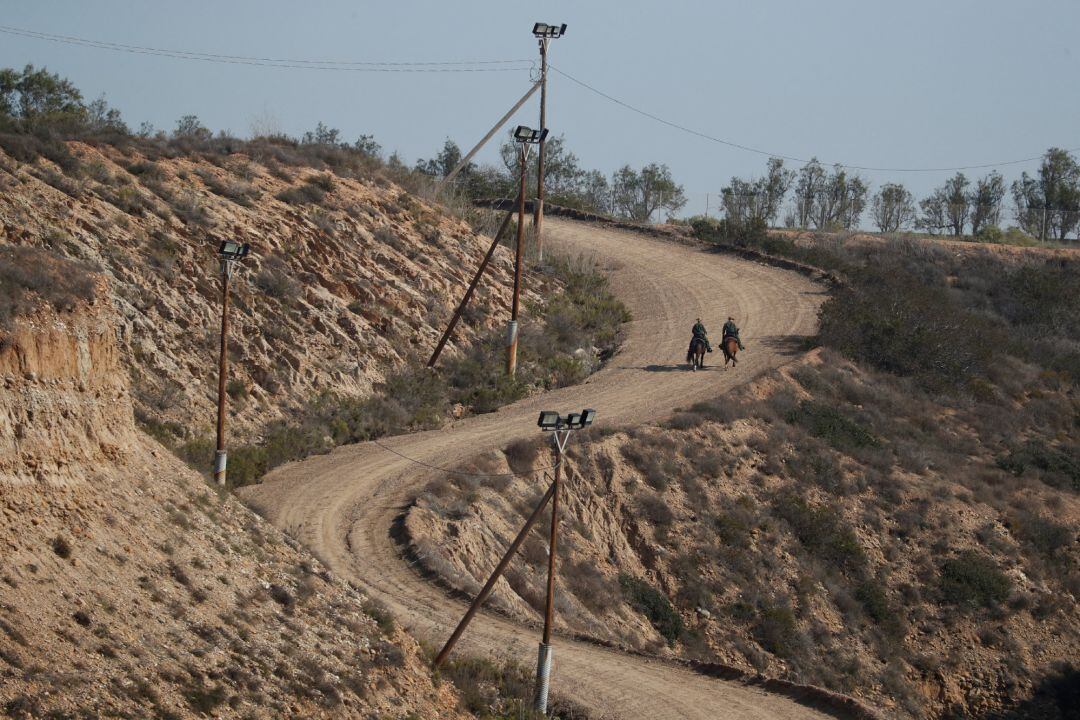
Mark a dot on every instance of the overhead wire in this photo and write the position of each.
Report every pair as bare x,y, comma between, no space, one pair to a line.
288,63
759,151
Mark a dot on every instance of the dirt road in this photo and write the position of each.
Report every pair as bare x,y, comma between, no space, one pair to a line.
342,505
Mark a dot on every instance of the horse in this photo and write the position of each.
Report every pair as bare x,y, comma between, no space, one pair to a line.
696,354
730,346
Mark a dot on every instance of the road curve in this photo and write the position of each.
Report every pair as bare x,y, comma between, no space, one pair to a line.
342,505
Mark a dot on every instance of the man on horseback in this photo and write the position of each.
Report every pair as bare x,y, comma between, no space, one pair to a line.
731,330
699,332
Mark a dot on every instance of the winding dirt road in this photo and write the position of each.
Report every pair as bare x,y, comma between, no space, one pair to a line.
342,505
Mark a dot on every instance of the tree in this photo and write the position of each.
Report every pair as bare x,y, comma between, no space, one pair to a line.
935,213
190,127
893,207
366,145
322,135
757,200
637,195
957,202
444,162
32,100
1049,207
827,201
986,202
101,118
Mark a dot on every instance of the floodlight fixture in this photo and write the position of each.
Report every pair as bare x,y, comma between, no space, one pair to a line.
232,250
587,417
544,30
549,420
524,134
573,420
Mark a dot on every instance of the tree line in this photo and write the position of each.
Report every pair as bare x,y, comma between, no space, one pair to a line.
1045,205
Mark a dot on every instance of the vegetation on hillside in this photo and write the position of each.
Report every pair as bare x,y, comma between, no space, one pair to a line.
560,343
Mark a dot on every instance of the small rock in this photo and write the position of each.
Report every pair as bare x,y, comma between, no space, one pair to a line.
704,613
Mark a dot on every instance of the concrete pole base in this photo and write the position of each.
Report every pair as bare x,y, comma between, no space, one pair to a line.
511,347
220,459
543,678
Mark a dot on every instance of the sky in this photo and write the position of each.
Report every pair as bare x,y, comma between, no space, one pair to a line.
915,84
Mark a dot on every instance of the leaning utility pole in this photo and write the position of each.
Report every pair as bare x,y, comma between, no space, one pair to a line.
230,252
543,33
524,137
561,427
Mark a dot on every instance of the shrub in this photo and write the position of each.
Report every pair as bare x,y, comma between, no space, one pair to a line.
776,630
61,546
654,605
274,279
831,425
1059,466
655,510
821,531
1045,535
313,191
27,273
972,581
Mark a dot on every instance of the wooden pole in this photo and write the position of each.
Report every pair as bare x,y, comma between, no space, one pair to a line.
512,329
495,575
538,211
469,156
468,293
220,457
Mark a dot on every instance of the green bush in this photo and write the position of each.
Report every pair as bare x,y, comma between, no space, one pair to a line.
1057,466
832,426
776,630
654,605
972,581
29,275
821,531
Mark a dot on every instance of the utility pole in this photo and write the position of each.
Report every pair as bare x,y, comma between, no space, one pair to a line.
512,329
524,136
544,33
561,427
230,252
706,206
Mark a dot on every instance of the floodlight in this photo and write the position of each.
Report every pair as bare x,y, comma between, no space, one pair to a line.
587,417
525,134
543,30
232,250
549,420
574,420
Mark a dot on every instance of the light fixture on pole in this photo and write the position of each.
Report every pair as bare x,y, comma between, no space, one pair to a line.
230,252
543,33
524,136
560,427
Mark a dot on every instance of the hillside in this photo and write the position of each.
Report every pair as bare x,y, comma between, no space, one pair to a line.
901,528
350,276
129,588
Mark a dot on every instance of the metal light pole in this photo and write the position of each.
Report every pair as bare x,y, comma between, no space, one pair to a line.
230,252
544,33
561,428
524,137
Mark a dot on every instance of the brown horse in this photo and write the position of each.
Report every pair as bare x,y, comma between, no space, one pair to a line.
696,354
730,346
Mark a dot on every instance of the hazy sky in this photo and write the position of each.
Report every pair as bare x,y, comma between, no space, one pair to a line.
921,83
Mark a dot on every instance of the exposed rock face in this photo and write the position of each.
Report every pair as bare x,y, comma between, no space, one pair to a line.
64,402
128,588
336,291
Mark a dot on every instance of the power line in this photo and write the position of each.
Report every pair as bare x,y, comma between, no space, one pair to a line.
288,63
759,151
462,473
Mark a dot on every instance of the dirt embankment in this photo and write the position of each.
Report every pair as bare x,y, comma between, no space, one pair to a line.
130,588
347,277
817,526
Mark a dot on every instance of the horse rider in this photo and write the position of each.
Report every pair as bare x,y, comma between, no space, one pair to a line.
699,331
731,330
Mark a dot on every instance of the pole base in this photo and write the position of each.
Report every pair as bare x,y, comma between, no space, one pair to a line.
511,348
220,460
543,677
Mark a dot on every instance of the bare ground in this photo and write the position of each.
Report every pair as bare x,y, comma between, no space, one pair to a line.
343,505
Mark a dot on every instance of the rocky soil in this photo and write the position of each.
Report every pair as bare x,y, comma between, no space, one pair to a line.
902,566
128,588
348,278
